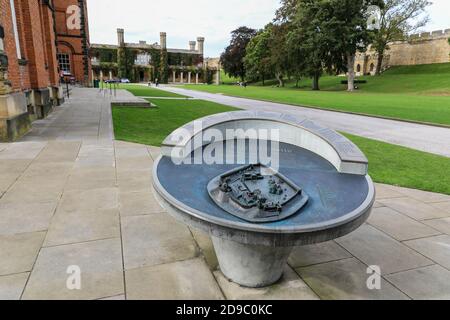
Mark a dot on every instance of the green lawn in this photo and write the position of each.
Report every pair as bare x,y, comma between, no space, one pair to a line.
388,163
151,126
144,91
416,93
401,166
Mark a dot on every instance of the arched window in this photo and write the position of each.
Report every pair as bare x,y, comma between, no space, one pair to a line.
358,68
372,66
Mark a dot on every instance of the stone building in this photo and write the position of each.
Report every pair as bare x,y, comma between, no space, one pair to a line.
423,48
72,35
144,62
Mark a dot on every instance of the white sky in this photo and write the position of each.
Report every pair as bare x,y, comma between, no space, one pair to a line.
185,20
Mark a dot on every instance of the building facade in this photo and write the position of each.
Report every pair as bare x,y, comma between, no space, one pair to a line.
72,38
423,48
144,62
31,41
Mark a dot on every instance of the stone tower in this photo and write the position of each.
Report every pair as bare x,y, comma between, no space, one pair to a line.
163,40
201,44
120,37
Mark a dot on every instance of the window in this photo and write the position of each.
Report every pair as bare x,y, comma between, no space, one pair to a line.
64,62
358,68
372,66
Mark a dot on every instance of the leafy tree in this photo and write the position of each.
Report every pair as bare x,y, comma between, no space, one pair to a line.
257,59
308,37
347,25
279,55
398,18
232,60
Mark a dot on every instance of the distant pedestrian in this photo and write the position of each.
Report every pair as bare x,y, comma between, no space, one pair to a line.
156,82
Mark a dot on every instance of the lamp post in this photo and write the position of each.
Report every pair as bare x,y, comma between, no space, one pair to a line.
4,83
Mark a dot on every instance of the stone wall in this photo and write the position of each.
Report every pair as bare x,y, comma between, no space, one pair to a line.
424,48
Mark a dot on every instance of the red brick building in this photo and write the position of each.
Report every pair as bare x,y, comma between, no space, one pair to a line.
33,35
72,31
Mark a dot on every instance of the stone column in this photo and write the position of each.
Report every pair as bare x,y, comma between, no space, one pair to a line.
182,77
174,76
101,75
110,75
196,78
218,77
189,77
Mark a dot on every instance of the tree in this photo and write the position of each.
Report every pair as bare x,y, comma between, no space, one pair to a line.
348,26
279,57
232,60
308,37
257,58
397,19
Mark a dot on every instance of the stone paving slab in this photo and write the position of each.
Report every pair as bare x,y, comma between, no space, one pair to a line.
17,218
398,226
82,226
186,280
443,225
71,195
100,263
317,253
414,208
18,252
155,239
11,286
374,247
346,280
429,283
435,248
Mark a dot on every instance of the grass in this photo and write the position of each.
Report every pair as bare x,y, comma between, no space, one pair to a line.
412,93
145,91
388,163
401,166
152,126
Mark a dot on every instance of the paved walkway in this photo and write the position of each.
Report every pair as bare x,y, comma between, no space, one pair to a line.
421,137
72,196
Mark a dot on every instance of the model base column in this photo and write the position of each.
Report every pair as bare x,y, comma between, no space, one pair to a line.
250,265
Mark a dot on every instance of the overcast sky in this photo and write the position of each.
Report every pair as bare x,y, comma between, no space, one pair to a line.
185,20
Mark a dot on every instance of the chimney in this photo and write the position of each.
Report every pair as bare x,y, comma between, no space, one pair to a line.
163,40
201,43
120,37
192,45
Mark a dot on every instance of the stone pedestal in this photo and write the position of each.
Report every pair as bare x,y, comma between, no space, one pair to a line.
14,119
251,266
41,100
